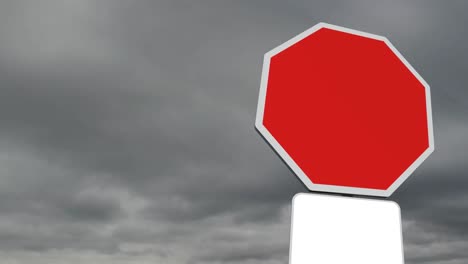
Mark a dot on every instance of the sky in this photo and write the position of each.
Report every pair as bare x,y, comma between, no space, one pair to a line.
127,129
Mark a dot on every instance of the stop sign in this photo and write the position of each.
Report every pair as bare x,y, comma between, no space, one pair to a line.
345,111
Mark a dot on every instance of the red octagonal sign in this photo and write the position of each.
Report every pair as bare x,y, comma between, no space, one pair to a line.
345,111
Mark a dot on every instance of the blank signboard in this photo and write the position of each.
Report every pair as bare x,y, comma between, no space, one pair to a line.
329,229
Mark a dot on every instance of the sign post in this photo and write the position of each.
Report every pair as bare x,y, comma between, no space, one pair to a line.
349,115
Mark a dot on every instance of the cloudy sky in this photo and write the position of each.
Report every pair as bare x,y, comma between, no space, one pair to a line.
127,129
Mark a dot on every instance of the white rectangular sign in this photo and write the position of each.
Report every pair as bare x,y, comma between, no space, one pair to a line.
328,229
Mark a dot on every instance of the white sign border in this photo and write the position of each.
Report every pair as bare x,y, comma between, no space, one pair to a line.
292,164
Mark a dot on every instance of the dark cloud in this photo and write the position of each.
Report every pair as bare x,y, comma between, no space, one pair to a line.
126,131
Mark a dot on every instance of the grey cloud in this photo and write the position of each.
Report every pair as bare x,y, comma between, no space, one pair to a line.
426,243
246,252
126,131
